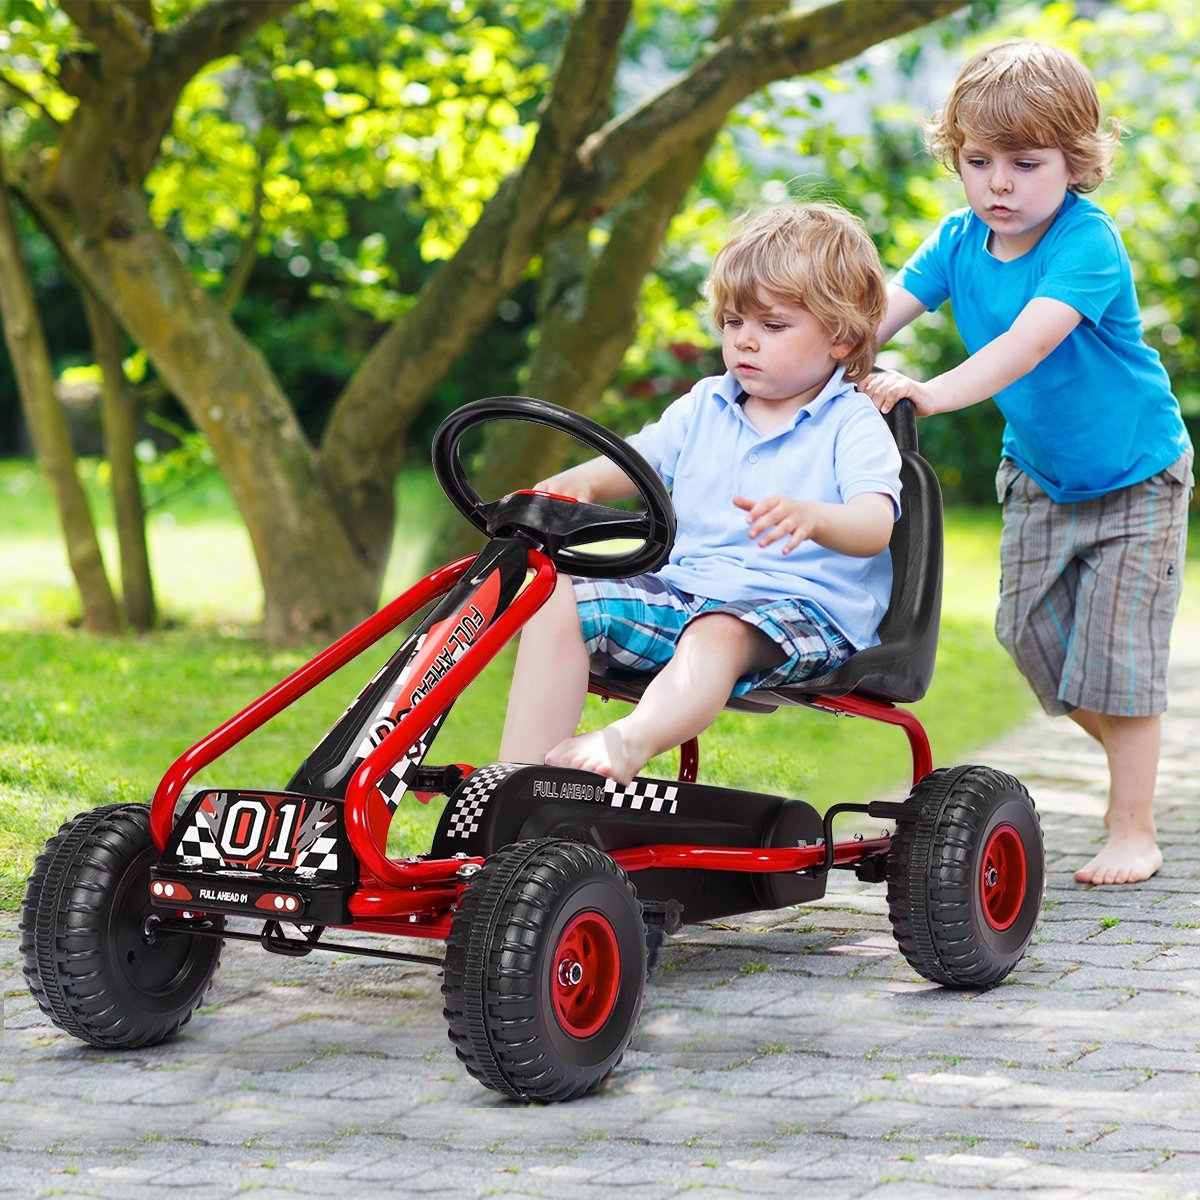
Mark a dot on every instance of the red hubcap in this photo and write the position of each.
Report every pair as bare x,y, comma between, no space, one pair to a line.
1002,877
586,974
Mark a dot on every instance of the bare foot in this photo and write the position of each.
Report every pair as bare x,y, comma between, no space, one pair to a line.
1126,859
606,752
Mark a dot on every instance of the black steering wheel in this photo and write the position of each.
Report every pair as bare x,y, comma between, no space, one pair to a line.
558,523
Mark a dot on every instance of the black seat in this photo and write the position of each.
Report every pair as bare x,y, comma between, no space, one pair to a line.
900,668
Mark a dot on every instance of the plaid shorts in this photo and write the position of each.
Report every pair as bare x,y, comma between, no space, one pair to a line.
1088,590
636,623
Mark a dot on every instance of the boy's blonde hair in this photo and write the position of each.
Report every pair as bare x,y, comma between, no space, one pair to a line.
814,256
1023,95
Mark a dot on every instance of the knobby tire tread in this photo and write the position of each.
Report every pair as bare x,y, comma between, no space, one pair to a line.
495,1032
931,884
63,920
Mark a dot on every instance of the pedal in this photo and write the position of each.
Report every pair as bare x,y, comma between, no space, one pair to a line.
665,915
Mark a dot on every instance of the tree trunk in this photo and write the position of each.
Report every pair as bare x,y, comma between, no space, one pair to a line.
119,419
361,450
317,578
589,309
48,427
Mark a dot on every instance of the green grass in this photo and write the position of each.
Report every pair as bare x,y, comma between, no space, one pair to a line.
87,720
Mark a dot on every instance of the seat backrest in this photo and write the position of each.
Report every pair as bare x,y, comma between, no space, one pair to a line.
910,626
900,668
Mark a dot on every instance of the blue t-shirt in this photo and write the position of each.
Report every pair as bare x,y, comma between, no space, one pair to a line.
1097,413
835,448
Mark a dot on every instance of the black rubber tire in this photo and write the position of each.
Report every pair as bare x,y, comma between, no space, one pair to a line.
500,969
956,922
85,958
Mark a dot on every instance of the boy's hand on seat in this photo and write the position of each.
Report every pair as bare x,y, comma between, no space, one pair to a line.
776,517
888,388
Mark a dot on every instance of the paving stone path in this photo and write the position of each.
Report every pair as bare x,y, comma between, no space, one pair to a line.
788,1053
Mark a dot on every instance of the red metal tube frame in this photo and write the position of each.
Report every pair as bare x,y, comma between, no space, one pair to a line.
424,911
849,705
889,714
300,681
344,650
438,699
736,858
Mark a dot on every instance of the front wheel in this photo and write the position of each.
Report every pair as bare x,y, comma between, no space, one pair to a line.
966,875
87,958
545,970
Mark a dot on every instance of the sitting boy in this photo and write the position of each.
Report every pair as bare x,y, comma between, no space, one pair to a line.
786,483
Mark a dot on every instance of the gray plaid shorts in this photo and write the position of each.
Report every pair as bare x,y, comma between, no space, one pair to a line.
1088,590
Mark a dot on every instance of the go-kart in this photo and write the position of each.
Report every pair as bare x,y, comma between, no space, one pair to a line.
548,885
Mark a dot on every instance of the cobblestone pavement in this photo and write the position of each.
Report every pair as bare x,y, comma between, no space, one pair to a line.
786,1053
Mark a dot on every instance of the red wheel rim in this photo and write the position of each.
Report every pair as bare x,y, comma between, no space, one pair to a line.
585,974
1002,877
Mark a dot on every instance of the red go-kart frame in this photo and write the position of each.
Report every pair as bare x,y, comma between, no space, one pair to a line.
552,888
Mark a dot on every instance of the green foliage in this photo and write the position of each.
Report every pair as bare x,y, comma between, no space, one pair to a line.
853,135
351,147
430,104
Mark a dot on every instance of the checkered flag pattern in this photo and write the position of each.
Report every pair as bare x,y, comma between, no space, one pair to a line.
475,793
641,795
320,858
198,843
399,779
316,841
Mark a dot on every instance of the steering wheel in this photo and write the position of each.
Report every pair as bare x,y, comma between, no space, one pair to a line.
558,523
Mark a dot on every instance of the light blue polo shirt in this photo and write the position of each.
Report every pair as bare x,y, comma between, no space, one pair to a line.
1098,412
835,448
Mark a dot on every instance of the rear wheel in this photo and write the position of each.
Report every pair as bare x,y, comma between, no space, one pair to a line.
87,958
965,876
545,970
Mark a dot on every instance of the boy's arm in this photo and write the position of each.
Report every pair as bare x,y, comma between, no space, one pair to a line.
860,528
1038,330
903,308
596,481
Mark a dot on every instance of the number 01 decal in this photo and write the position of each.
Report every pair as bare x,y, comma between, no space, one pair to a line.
253,828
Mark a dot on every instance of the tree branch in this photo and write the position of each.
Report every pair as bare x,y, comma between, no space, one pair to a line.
213,31
123,112
632,147
362,443
239,276
122,38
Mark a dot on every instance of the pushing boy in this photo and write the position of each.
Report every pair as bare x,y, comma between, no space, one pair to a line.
1095,474
786,484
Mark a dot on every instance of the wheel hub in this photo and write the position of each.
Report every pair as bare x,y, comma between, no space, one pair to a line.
1003,877
570,973
587,974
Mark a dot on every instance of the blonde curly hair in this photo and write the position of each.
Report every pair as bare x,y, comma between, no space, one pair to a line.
818,257
1024,95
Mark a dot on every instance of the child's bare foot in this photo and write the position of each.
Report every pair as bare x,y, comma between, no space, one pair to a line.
606,752
1124,859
